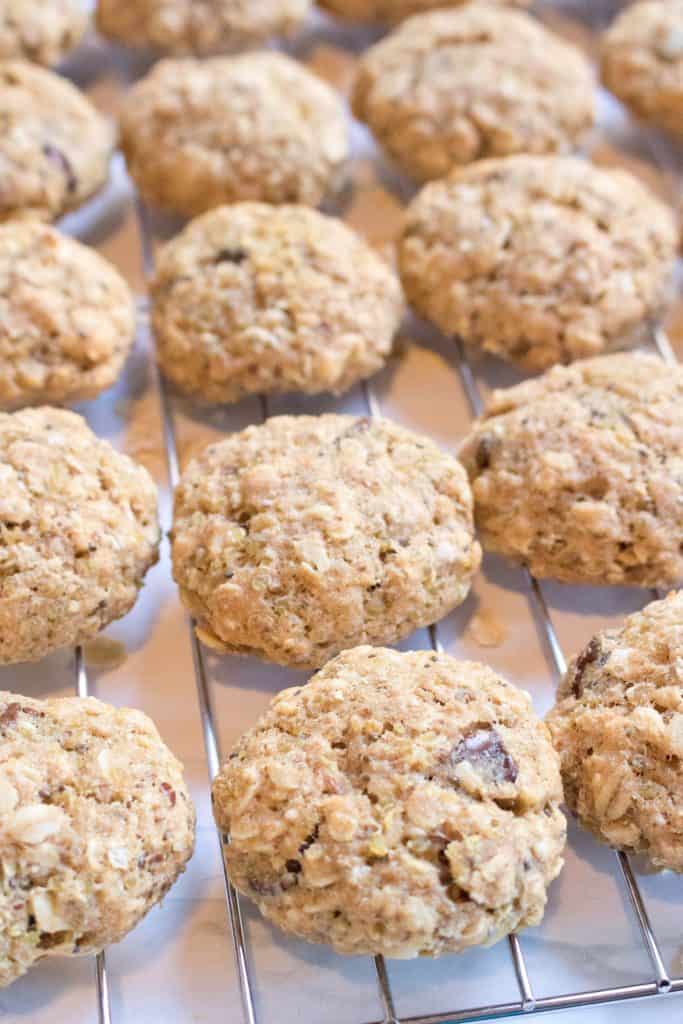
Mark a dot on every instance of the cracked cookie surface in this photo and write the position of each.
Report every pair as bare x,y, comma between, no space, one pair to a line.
96,824
579,473
618,727
398,803
67,317
54,146
642,62
539,260
43,31
78,532
197,134
392,11
199,27
251,299
451,87
306,535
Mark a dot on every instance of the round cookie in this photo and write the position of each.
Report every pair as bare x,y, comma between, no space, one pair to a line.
78,531
578,474
392,11
96,824
67,318
618,727
451,87
642,62
198,134
54,146
43,31
252,299
538,259
201,27
306,535
399,803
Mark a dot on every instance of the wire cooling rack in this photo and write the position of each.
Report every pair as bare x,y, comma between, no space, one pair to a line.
529,992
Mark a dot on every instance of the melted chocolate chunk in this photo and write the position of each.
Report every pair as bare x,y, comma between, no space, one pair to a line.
294,866
484,750
56,156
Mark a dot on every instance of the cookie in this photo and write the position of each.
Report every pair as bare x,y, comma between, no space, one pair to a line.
399,803
579,473
201,27
78,531
198,134
42,31
96,824
618,727
538,259
642,62
451,87
306,535
67,317
54,146
392,11
251,299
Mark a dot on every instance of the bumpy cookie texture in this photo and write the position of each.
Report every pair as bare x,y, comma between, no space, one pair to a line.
54,146
201,27
43,31
197,134
642,62
451,87
78,531
540,260
67,318
579,473
393,11
399,803
96,824
298,538
250,299
618,727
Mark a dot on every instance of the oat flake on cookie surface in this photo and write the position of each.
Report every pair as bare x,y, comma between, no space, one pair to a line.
398,803
578,474
306,535
618,728
96,824
78,532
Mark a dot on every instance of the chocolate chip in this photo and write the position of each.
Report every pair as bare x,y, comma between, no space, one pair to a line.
590,655
484,451
56,156
294,866
484,750
234,254
170,792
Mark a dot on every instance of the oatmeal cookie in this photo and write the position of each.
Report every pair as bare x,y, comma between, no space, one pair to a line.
579,473
78,531
451,87
642,62
197,134
392,11
54,146
201,27
96,824
43,31
618,727
67,318
538,259
253,299
399,803
298,538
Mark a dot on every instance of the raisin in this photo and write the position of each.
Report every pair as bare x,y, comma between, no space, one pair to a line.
294,866
309,840
484,451
170,793
9,715
234,254
484,750
590,655
56,156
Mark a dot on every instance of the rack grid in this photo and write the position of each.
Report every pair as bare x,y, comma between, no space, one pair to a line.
659,983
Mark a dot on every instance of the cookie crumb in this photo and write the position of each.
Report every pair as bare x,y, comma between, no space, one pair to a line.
486,629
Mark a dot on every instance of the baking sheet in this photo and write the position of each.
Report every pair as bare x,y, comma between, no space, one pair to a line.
177,966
